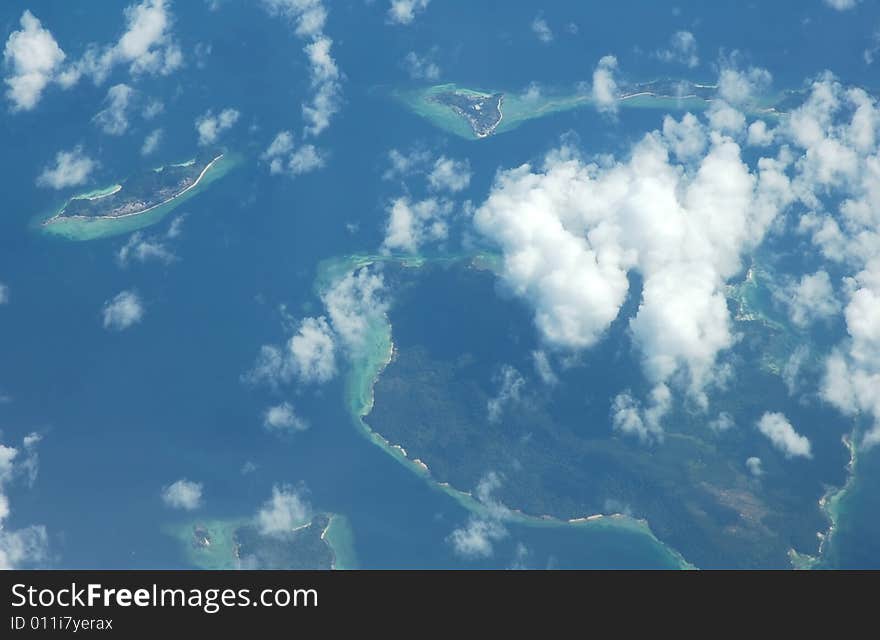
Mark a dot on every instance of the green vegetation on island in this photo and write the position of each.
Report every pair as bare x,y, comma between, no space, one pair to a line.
140,200
378,352
476,114
324,542
427,408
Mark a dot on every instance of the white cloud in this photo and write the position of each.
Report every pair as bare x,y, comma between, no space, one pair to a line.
779,431
511,384
420,67
183,494
604,90
630,418
33,59
144,248
739,87
542,30
4,293
313,350
352,303
283,417
723,422
71,168
147,46
405,11
26,546
543,368
682,50
572,231
841,5
412,224
450,175
210,126
754,466
476,539
325,84
810,299
152,109
309,355
113,119
759,135
151,142
123,311
286,510
309,18
283,157
404,164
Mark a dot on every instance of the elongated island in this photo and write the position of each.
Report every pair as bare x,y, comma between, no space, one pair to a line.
140,200
476,114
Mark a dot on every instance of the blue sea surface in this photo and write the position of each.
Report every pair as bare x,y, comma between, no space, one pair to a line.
125,413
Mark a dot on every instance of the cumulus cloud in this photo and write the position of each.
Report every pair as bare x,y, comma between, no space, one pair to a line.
759,135
682,209
71,168
754,466
834,135
630,418
151,142
284,512
723,422
810,299
476,538
783,436
511,384
113,119
183,494
283,417
450,175
542,30
412,224
284,158
309,18
405,11
147,45
604,90
420,67
841,5
738,87
543,368
210,126
142,248
122,311
26,546
33,59
682,49
352,303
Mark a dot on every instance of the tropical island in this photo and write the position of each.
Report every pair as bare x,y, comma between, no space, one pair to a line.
563,467
481,111
477,114
324,542
138,201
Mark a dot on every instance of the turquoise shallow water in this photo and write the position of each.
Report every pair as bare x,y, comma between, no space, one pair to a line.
124,414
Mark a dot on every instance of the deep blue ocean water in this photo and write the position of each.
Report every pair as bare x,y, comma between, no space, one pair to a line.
125,413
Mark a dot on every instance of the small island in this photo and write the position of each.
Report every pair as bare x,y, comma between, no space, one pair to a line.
475,114
482,111
323,542
138,201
